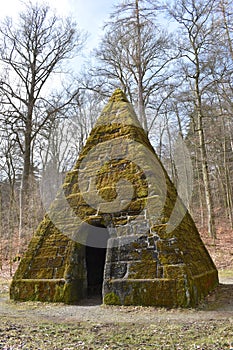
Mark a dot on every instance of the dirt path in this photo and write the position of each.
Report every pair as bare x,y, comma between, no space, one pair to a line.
217,306
92,326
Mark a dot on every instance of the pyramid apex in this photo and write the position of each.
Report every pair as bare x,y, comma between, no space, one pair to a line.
118,110
118,95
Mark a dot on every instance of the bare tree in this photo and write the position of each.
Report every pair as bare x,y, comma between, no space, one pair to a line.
31,52
135,53
225,9
61,142
197,27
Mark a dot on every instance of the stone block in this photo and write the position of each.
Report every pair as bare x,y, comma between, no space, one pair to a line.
152,292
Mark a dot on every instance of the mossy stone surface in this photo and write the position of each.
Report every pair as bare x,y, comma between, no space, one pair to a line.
146,263
111,299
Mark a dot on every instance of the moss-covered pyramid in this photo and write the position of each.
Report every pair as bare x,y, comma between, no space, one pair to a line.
117,227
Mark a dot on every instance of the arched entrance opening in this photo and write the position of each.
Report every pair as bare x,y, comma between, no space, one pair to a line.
96,247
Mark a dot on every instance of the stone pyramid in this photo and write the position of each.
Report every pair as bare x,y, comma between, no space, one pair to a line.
117,228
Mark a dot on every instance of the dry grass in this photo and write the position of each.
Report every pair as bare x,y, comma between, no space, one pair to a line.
21,334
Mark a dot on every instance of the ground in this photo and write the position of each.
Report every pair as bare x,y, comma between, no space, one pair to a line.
94,326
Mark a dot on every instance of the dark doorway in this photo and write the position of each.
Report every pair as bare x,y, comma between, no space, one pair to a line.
95,259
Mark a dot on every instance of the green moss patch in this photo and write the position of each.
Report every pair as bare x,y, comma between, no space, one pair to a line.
111,299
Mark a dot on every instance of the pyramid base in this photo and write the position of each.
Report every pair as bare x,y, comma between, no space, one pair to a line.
47,290
161,292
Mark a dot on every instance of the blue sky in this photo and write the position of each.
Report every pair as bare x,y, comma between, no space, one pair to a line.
89,14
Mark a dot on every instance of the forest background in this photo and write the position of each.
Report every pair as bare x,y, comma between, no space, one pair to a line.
174,61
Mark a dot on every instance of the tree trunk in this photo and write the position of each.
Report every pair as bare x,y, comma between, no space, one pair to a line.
27,164
199,190
229,200
206,180
141,104
25,188
204,161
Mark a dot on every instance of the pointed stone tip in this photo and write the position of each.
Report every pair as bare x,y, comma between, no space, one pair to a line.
118,96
